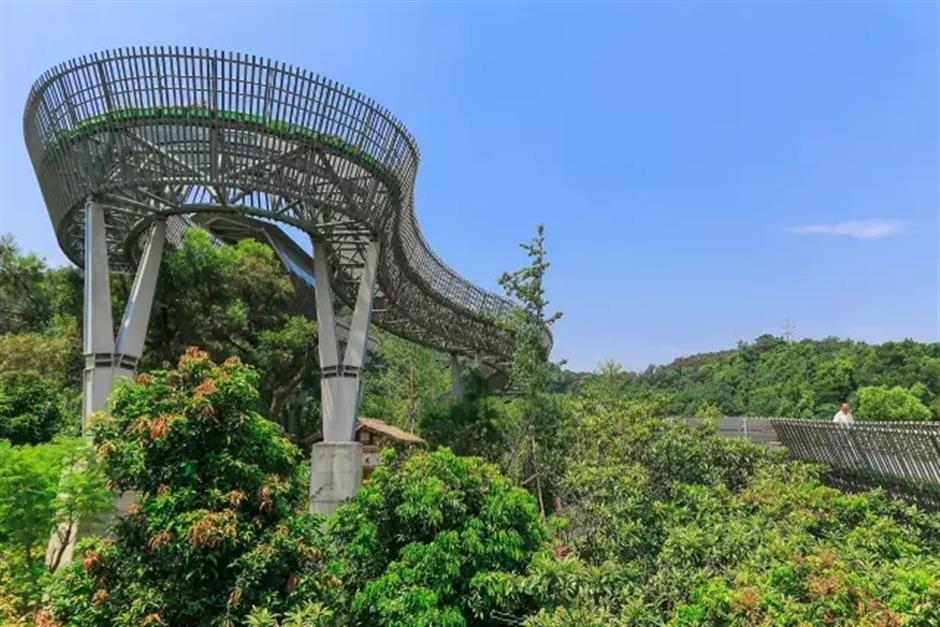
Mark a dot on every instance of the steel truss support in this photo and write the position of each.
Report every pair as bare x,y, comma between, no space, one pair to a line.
106,359
336,463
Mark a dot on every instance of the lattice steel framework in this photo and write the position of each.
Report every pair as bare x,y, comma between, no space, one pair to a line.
902,457
157,132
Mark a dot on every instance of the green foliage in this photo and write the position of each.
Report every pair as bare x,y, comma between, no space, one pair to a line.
43,488
478,424
32,296
608,382
532,374
670,524
211,532
309,614
39,312
624,461
223,295
709,411
235,300
661,523
472,426
287,356
424,538
56,357
773,377
880,402
31,409
409,380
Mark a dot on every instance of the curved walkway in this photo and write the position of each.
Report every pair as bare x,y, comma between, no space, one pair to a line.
154,132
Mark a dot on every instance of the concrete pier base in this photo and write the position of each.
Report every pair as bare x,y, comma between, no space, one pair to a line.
335,474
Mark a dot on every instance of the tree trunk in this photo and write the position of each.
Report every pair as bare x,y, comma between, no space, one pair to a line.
538,479
280,393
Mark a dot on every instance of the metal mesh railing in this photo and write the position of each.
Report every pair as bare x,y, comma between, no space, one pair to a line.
902,457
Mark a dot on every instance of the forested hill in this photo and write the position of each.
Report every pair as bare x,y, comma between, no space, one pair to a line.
808,378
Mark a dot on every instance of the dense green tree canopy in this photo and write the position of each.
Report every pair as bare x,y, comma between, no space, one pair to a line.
234,300
212,531
478,424
33,296
660,523
407,381
44,490
879,402
53,356
422,537
774,377
664,523
31,409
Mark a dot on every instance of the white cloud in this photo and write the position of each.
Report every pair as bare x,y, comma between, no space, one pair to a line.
876,228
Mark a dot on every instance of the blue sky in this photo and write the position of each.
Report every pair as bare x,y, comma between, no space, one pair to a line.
704,170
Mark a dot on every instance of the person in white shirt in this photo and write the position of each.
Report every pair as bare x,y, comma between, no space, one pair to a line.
844,415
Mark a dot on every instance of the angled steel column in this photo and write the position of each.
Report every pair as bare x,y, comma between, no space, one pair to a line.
98,329
327,347
355,354
133,331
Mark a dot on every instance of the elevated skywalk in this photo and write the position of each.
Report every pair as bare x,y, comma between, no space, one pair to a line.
130,145
154,132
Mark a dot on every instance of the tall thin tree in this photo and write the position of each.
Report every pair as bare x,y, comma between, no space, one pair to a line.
532,374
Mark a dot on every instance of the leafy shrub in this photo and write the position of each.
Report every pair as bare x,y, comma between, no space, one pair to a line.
55,356
212,532
30,409
476,425
669,524
879,402
422,535
409,379
43,488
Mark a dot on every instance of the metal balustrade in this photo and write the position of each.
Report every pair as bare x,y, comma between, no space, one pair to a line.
901,457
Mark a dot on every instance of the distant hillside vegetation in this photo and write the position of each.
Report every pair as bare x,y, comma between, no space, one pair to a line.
808,378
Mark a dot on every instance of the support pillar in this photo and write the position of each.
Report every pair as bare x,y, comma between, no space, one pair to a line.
336,463
335,474
98,329
327,344
104,359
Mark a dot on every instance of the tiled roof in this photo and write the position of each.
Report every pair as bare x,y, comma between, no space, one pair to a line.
379,426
